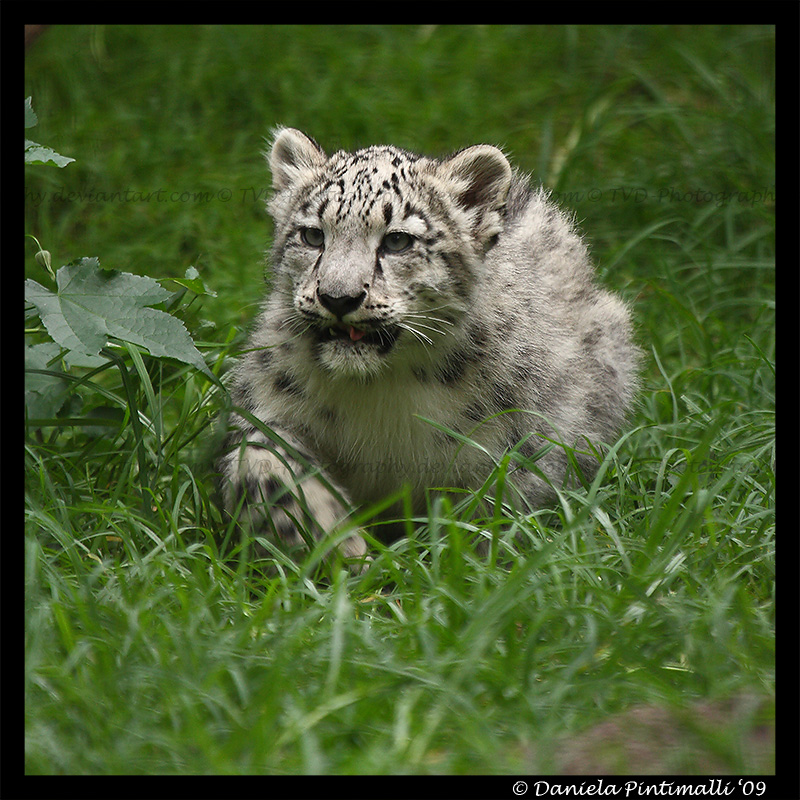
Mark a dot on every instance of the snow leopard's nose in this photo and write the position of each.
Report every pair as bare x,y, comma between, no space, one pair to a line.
341,304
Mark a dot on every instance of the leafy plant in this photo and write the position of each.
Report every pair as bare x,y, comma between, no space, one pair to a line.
93,306
98,319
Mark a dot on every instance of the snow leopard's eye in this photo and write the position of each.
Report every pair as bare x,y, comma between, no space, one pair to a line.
397,242
313,237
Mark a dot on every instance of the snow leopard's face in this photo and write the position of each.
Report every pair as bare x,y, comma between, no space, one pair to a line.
377,253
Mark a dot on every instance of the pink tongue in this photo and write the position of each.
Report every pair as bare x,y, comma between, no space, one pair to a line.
356,335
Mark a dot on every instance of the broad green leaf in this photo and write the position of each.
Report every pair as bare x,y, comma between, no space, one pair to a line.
36,153
93,306
44,394
39,154
31,120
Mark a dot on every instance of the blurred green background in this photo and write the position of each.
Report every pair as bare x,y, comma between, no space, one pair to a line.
634,127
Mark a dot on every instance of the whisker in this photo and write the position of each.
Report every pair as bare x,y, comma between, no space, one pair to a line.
428,327
421,336
429,317
297,324
439,308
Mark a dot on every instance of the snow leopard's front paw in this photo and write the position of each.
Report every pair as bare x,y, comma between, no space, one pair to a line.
273,502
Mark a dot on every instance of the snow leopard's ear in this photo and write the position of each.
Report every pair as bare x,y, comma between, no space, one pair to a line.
292,154
481,177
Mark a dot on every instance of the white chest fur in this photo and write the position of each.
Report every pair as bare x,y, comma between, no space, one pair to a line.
373,437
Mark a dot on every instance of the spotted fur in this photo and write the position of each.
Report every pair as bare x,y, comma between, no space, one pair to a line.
407,288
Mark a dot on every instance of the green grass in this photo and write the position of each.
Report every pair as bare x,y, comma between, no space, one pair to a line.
148,652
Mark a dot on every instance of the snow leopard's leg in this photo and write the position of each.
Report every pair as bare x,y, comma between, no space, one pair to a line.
274,494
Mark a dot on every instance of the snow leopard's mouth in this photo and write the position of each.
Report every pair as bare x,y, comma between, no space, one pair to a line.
382,338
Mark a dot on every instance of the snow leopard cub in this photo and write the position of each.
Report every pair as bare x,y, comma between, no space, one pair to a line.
408,289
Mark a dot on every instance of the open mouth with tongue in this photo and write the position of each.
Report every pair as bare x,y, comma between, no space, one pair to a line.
355,334
384,338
